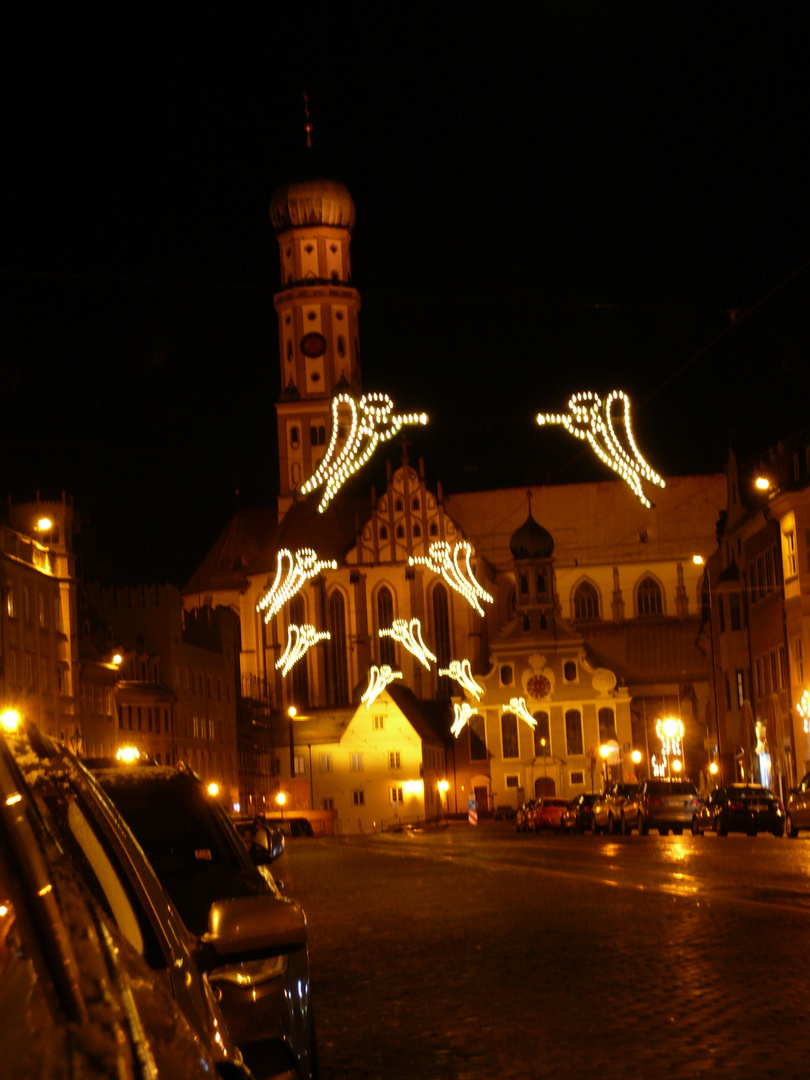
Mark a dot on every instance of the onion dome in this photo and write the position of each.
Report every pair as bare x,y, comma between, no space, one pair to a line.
311,202
531,541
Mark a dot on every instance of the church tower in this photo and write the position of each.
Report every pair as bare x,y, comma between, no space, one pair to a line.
317,310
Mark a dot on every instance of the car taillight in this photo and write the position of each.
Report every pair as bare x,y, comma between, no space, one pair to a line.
735,804
695,802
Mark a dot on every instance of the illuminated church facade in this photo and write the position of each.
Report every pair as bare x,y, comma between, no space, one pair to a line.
571,612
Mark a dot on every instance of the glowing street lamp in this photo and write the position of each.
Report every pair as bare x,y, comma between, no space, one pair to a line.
213,789
281,798
10,720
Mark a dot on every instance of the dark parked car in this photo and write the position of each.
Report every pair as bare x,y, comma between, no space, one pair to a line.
798,808
262,983
578,815
744,808
661,804
522,816
97,977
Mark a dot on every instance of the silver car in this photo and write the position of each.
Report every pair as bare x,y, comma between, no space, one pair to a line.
661,804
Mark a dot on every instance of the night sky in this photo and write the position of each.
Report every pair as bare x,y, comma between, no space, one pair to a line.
550,197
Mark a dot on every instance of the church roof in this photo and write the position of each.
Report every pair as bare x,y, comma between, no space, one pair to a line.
311,202
244,547
332,534
419,714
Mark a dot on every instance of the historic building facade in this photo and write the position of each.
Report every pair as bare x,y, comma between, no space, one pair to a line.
577,614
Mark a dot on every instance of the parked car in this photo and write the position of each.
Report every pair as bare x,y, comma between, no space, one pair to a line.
660,804
577,815
257,833
522,815
798,808
261,978
97,977
607,810
746,808
547,814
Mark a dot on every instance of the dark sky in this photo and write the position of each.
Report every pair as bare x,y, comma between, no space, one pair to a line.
550,197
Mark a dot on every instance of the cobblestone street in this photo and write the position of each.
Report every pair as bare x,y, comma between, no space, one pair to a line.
477,956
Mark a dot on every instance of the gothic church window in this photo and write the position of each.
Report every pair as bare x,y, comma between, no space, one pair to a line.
337,643
385,619
649,598
509,735
586,602
441,636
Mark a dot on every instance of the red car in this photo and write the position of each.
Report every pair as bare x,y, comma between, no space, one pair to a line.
547,814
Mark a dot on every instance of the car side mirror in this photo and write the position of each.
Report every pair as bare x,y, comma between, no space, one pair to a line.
251,924
267,845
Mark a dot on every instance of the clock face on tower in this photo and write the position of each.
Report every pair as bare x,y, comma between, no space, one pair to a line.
538,686
313,345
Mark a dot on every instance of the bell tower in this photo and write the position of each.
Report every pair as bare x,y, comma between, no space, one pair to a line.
318,310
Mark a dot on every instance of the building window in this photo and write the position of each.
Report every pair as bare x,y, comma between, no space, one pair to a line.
648,597
542,735
295,437
394,759
356,762
337,645
509,735
586,602
607,726
326,762
798,659
506,675
11,606
300,671
26,604
512,780
734,611
120,716
395,796
790,554
783,667
570,671
727,686
774,670
441,637
385,620
43,624
327,804
298,762
740,687
359,798
576,778
478,739
573,731
378,723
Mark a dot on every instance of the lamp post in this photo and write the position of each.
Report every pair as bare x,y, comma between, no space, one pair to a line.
281,798
444,787
636,756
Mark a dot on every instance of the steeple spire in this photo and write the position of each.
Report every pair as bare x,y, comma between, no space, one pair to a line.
308,122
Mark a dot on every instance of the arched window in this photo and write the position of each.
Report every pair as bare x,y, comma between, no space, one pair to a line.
540,582
383,532
509,735
337,645
300,671
524,584
586,601
441,637
607,725
648,597
385,618
573,731
542,735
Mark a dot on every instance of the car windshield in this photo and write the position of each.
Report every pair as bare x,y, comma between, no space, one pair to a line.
195,857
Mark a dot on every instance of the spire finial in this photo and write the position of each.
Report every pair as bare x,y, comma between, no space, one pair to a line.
308,123
529,497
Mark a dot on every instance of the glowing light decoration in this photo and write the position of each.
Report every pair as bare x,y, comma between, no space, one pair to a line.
300,567
804,711
299,640
463,713
669,730
518,707
373,421
409,634
592,419
461,672
442,561
378,679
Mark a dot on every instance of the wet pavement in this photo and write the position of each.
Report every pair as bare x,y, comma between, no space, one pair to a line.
473,954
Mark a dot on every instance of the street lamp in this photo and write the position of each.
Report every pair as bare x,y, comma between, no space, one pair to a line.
444,787
281,798
10,720
636,756
603,753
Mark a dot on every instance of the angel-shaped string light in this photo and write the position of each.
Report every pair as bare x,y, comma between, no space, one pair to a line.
409,635
292,570
461,672
373,421
442,561
804,710
378,679
463,713
592,419
299,640
518,707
